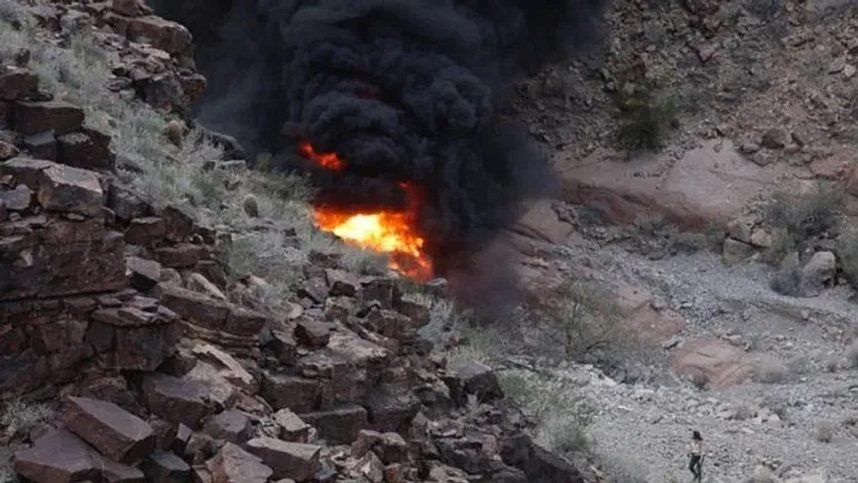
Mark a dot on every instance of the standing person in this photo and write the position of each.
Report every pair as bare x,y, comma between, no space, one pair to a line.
695,453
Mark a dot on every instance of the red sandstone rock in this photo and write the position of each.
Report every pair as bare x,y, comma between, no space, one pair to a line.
57,116
116,433
288,460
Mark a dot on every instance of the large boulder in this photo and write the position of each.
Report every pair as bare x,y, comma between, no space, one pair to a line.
708,185
60,456
165,467
15,83
338,426
297,461
57,116
472,378
176,400
291,427
116,433
50,257
232,426
234,465
131,338
58,187
299,394
712,362
820,269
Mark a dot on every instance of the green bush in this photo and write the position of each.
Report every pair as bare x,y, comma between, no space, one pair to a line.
847,250
562,415
19,417
789,279
852,354
644,114
586,319
804,216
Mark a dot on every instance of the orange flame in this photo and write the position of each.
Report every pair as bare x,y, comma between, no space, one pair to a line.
326,160
391,232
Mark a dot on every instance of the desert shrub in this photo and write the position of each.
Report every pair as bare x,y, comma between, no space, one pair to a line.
585,318
806,215
770,371
763,9
788,279
851,354
10,12
563,433
644,113
777,405
621,471
824,432
668,238
7,475
562,415
847,250
444,316
19,417
478,344
783,243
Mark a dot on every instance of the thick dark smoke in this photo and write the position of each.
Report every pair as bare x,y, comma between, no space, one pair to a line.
402,90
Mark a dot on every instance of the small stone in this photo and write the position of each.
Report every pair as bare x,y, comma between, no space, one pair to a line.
774,139
17,199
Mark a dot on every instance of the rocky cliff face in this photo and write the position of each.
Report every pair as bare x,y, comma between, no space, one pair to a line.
119,310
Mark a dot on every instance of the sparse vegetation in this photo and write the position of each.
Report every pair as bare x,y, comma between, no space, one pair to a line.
851,354
770,371
824,432
797,218
645,112
19,417
586,319
788,279
847,249
562,415
179,165
653,235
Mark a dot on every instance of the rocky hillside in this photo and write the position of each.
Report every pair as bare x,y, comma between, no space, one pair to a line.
168,315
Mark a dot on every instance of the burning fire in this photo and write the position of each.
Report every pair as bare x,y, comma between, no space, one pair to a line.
326,160
386,231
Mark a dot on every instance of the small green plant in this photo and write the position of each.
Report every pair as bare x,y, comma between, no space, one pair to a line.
807,215
769,371
824,432
788,279
783,243
562,414
587,319
851,353
19,417
645,113
847,249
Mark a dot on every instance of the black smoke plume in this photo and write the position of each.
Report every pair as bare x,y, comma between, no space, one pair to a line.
402,90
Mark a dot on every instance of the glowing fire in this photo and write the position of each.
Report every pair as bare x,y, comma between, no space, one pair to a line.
386,231
325,160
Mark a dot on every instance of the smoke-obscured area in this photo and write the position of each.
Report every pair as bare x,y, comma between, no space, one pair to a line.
402,90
